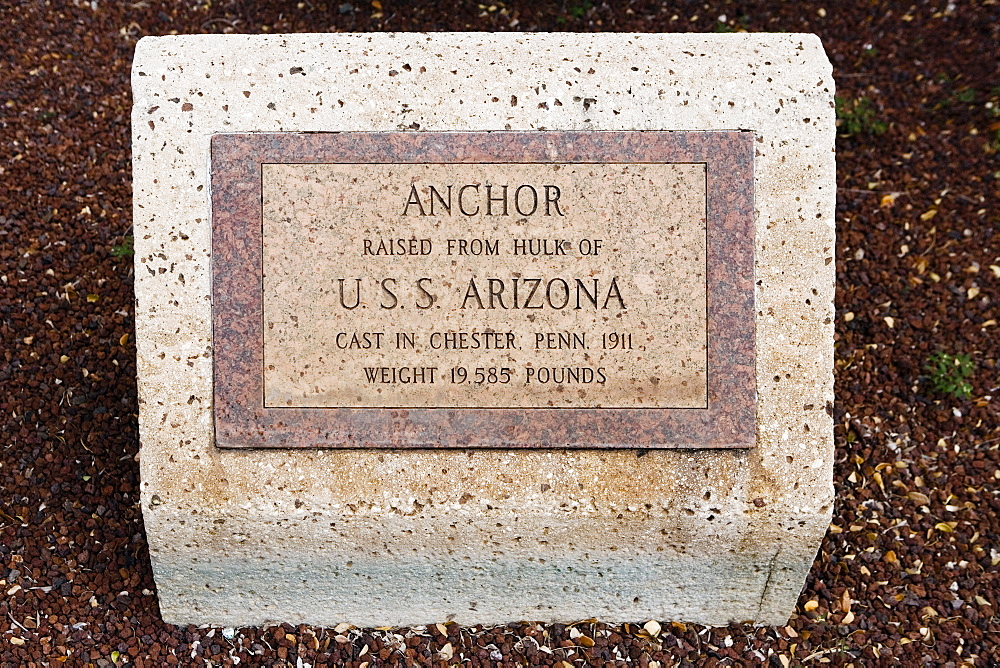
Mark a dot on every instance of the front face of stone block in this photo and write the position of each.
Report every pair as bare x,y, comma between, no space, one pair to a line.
403,533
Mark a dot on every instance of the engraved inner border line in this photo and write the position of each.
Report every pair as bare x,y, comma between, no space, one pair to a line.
708,295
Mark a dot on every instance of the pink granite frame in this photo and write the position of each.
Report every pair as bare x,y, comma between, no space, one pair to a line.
242,420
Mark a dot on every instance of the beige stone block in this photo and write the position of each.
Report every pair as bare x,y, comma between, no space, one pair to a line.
387,537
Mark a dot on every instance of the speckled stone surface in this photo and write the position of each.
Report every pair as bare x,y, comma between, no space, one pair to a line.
718,290
394,536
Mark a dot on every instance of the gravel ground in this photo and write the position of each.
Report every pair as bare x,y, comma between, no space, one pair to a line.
908,572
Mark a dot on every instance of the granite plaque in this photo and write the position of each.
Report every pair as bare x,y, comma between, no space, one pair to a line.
553,289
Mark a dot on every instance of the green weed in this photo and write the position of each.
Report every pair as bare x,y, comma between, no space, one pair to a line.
950,374
968,96
857,117
964,96
578,11
124,249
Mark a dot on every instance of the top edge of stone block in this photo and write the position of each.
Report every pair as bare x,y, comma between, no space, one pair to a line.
148,45
493,36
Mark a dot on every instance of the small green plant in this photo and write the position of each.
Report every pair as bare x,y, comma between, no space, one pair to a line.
578,11
966,96
124,249
950,374
856,117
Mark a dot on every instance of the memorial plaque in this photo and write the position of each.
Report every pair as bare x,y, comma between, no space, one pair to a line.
470,278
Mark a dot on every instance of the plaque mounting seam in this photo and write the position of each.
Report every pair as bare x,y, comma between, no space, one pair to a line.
703,265
729,421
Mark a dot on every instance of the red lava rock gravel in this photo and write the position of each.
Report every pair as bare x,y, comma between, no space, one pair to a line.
908,573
